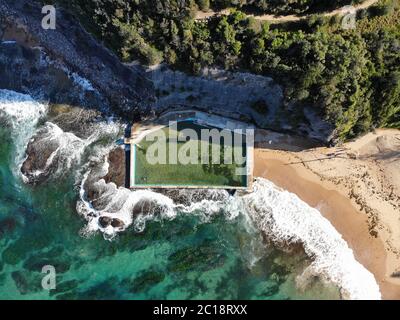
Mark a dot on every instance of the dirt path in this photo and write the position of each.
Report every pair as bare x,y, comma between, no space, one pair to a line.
276,19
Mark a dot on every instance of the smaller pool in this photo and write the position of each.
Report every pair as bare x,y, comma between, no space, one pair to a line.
189,155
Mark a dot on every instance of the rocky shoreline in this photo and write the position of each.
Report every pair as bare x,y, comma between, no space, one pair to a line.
66,65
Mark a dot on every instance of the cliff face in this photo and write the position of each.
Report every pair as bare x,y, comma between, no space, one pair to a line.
66,65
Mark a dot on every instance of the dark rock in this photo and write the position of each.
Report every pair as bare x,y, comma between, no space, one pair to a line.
117,167
81,122
146,280
52,150
92,194
42,156
144,207
98,193
7,226
27,282
37,156
105,221
117,223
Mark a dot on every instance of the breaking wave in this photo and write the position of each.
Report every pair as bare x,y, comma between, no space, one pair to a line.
70,148
110,203
56,149
21,113
285,219
63,149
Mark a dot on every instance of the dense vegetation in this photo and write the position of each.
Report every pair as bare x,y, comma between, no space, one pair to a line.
352,77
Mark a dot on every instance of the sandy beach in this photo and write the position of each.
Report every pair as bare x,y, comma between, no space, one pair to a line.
355,186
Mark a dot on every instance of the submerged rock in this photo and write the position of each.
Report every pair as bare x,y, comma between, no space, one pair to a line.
36,263
7,226
145,281
203,257
65,287
105,290
27,282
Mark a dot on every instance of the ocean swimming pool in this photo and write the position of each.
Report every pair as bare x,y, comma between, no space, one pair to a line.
203,171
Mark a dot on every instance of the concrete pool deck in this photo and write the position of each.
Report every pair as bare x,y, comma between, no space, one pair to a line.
140,131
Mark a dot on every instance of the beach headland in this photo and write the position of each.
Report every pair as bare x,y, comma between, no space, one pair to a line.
355,186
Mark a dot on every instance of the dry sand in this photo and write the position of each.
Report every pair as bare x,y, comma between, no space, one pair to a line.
355,186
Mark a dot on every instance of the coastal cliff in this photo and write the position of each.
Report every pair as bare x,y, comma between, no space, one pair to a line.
66,65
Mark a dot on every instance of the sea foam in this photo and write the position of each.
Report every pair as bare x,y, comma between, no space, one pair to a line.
141,206
21,113
284,218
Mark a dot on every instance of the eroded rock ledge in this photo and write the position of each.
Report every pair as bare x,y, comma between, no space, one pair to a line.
66,65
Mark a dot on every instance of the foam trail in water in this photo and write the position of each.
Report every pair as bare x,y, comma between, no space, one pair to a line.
137,208
120,204
21,113
286,219
62,148
70,148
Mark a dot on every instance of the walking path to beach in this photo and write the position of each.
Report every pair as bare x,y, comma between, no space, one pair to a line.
355,186
288,18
